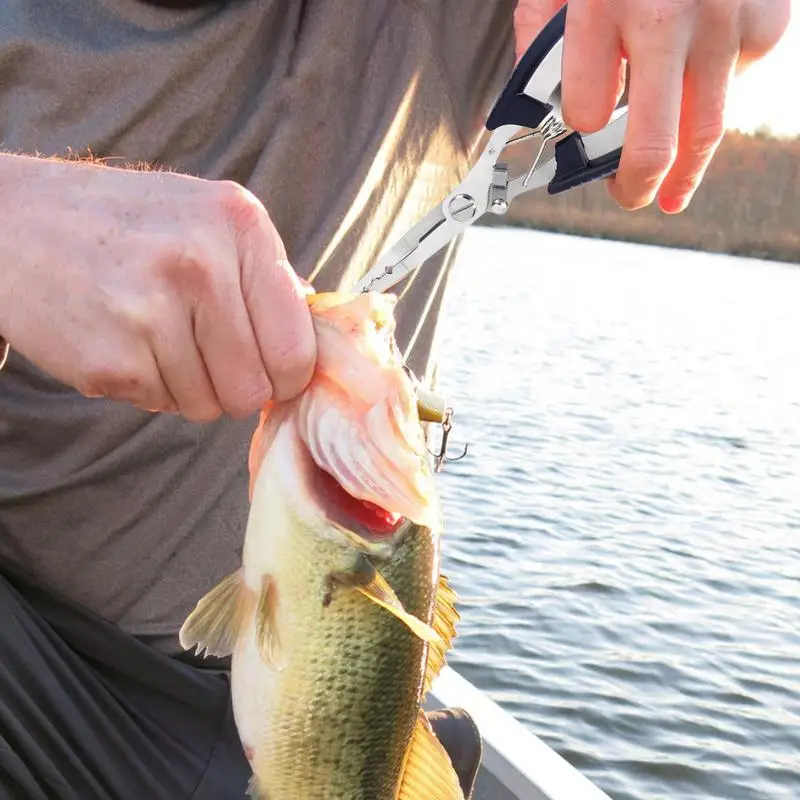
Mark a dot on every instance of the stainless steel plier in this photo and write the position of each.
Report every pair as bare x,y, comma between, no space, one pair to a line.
530,100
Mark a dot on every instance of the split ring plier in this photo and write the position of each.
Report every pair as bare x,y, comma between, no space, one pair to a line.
530,100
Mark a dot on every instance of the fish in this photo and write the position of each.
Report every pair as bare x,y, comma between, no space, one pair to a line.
339,618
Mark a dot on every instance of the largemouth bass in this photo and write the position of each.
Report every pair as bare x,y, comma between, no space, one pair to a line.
338,619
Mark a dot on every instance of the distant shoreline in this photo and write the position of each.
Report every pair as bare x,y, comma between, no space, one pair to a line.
743,250
748,205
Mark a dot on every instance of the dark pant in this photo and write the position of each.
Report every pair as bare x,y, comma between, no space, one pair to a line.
88,712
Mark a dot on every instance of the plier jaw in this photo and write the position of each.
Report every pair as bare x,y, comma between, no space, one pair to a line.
530,100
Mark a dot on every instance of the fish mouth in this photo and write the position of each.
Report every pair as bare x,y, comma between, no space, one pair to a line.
367,520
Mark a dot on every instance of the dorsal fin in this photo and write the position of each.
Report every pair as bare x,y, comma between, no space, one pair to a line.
428,773
444,621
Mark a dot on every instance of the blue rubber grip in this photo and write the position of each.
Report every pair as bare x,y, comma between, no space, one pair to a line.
513,107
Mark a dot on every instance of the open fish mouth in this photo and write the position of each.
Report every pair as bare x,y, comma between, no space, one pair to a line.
366,520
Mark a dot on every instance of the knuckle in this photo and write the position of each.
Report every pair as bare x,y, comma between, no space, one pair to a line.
661,12
241,208
181,266
133,313
706,138
257,241
722,14
652,159
683,186
293,360
142,316
250,398
683,182
111,378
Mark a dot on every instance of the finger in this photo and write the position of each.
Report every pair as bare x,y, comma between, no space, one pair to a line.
530,16
183,371
274,300
230,350
709,72
763,23
278,308
592,66
657,57
127,372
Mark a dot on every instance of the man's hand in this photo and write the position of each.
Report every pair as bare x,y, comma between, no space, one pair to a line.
682,54
167,291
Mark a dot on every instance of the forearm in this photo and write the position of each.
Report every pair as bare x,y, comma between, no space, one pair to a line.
9,166
12,170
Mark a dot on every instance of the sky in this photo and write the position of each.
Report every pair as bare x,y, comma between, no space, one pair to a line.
766,94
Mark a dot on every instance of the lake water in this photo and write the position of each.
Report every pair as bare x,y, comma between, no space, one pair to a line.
625,531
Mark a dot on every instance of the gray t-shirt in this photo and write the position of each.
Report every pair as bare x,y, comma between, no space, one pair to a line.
348,118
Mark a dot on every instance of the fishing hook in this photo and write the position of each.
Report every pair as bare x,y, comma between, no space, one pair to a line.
441,458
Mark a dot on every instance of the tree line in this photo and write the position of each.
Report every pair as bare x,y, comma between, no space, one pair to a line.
748,204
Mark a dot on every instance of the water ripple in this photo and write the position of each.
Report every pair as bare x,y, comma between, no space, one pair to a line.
624,534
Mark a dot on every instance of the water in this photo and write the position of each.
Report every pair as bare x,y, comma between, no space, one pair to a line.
625,532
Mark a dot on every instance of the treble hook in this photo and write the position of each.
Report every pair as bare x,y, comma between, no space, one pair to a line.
441,458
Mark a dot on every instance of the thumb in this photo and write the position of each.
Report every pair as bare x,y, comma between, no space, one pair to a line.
530,16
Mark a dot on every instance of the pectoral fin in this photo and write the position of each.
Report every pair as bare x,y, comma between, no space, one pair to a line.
381,593
218,619
428,773
445,617
215,623
254,790
367,580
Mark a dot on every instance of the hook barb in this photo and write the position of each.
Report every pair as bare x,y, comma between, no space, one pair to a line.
441,458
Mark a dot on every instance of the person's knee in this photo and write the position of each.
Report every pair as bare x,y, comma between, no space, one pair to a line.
459,735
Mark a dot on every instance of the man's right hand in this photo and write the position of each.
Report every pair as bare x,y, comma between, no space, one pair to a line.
167,291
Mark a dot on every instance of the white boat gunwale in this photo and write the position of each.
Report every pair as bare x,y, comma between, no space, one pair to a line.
516,765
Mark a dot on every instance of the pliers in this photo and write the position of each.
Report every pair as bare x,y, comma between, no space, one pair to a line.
531,99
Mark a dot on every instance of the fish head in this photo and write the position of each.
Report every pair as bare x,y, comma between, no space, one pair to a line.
354,465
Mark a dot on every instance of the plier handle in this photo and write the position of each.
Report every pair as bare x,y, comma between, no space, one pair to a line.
530,100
